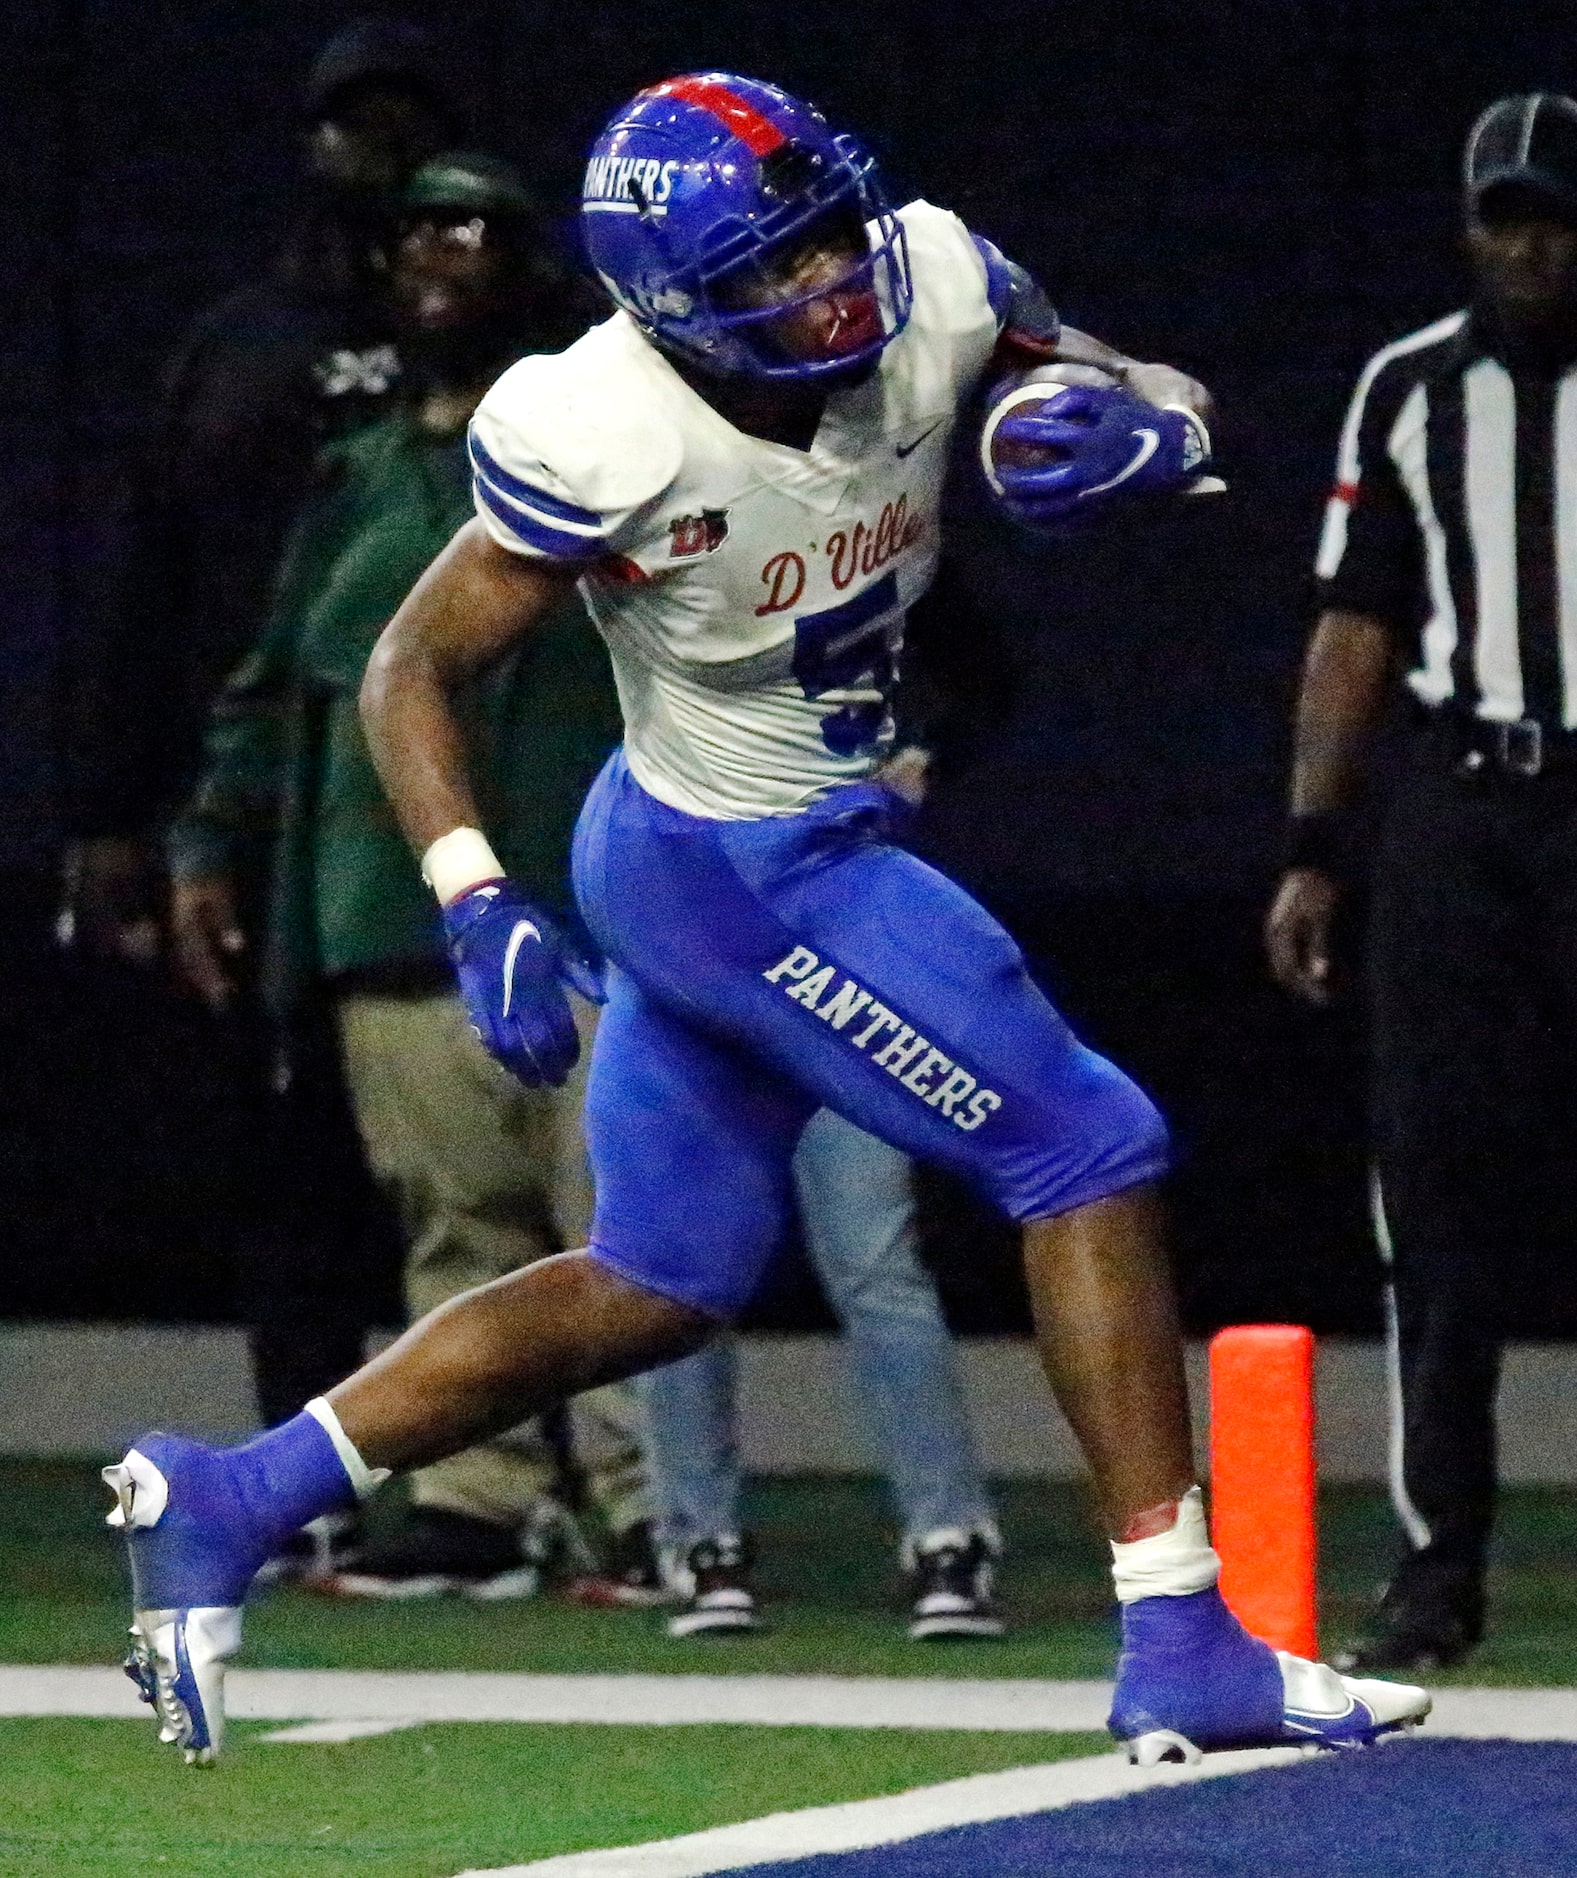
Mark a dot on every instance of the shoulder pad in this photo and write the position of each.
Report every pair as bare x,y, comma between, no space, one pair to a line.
590,418
949,287
1027,320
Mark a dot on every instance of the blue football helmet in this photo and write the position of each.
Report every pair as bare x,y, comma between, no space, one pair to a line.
704,177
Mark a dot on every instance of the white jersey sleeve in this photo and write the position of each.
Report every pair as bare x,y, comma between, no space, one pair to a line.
561,466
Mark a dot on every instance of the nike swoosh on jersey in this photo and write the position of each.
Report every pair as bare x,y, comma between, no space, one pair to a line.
1149,443
524,930
902,450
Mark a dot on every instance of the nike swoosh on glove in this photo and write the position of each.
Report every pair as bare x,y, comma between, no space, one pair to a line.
1100,444
513,963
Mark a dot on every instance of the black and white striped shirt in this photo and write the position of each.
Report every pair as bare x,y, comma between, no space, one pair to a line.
1454,519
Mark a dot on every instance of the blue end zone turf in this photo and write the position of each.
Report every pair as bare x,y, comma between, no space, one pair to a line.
1446,1809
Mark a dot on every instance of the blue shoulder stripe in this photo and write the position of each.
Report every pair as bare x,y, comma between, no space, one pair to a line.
519,522
999,276
1025,316
507,484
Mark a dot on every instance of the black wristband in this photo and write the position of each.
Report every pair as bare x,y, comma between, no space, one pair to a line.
1322,839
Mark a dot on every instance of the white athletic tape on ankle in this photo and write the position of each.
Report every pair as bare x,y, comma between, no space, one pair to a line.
366,1480
1172,1564
459,860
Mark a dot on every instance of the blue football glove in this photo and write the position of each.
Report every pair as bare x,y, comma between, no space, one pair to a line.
1104,445
510,960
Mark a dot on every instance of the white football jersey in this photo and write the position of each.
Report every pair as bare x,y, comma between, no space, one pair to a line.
752,596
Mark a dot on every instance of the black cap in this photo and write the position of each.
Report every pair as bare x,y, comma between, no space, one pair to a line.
1524,147
378,51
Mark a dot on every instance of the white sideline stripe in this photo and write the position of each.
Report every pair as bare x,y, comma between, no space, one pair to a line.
335,1732
1505,1714
1501,1714
389,1699
858,1824
410,1697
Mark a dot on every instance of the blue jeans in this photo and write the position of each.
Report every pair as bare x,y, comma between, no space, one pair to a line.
856,1206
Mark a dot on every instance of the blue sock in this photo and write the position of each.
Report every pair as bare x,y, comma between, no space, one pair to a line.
229,1509
288,1475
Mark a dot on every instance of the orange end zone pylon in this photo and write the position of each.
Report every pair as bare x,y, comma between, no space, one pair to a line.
1262,1479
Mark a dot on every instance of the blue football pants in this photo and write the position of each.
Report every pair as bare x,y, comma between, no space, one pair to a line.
760,970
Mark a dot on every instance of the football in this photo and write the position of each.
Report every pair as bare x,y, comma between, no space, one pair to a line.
1036,386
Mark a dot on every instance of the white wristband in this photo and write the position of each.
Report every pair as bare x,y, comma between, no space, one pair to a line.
457,861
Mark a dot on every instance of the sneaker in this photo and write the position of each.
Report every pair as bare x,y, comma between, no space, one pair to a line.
951,1573
714,1581
320,1547
1191,1680
631,1577
435,1554
195,1545
1431,1615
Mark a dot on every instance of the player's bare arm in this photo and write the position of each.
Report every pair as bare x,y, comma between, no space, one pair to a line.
474,603
1347,674
1157,384
1033,334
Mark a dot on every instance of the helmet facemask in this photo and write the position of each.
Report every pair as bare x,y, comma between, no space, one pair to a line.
744,308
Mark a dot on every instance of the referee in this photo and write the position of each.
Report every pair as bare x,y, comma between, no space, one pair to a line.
1449,557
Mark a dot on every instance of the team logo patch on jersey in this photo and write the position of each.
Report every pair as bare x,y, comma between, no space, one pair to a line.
897,1047
690,535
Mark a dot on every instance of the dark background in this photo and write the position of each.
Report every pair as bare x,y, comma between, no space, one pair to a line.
1260,190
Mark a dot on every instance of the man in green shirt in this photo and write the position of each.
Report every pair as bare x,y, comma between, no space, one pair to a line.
488,1175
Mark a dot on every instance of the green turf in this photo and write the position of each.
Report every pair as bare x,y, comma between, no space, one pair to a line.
83,1798
827,1571
1532,1636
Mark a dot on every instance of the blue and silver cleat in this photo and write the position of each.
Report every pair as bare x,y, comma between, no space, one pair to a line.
193,1550
1191,1681
177,1660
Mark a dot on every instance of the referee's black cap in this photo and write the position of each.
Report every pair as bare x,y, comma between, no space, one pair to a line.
1523,152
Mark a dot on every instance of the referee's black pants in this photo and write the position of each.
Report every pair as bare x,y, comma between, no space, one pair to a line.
1473,984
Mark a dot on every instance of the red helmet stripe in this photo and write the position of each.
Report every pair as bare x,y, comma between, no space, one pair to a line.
758,134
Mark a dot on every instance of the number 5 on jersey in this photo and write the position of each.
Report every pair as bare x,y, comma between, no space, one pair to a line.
852,648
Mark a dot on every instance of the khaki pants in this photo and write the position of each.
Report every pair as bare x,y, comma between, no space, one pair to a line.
488,1176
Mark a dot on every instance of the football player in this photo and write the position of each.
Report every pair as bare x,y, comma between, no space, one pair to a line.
742,470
